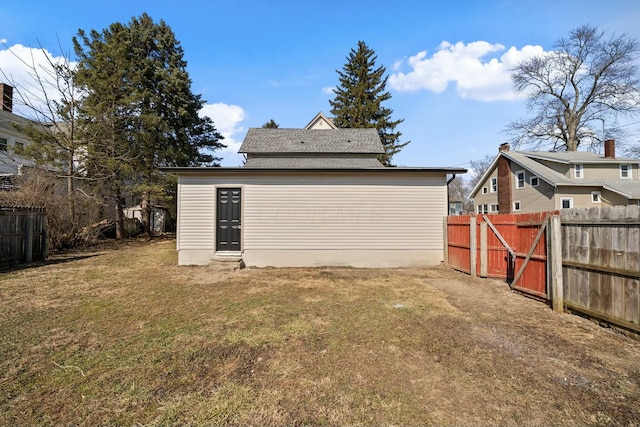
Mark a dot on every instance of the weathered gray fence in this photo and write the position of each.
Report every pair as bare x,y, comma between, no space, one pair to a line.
601,263
23,235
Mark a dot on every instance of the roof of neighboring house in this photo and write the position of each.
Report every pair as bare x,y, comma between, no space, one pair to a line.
573,157
625,187
10,163
354,141
313,162
8,121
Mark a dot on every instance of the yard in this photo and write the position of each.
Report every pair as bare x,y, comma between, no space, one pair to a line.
124,336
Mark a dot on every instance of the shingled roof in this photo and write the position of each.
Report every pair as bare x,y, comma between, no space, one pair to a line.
351,141
316,162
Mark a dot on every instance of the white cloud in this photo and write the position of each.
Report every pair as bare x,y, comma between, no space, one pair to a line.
467,66
227,120
328,90
16,68
18,64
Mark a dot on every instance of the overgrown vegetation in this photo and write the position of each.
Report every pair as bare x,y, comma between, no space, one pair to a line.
125,337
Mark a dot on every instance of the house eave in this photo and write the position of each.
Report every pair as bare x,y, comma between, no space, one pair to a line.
292,171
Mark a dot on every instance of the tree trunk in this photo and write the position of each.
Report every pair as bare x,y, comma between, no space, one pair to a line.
145,206
120,231
70,195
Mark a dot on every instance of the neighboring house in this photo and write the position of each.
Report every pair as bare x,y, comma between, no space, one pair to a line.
10,139
160,219
312,197
535,181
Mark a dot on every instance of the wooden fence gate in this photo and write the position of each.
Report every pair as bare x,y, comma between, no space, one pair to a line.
505,246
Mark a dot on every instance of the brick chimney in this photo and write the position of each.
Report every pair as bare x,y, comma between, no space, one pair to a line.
504,182
6,96
610,149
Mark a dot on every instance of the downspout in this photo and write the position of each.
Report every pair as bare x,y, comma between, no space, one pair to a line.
449,182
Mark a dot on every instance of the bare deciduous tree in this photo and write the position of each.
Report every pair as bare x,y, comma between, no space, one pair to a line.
589,80
52,99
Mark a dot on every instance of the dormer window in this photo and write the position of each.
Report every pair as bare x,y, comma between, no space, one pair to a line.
625,171
577,172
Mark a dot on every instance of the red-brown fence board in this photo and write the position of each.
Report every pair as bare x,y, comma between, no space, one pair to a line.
520,232
458,238
534,277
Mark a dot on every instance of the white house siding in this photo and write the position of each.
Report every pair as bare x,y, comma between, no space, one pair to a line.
361,220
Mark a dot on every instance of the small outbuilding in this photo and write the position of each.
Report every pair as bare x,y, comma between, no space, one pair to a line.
316,196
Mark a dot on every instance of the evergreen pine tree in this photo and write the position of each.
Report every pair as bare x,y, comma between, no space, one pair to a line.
139,109
271,124
359,97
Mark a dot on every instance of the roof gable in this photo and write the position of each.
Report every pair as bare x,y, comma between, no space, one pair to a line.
320,121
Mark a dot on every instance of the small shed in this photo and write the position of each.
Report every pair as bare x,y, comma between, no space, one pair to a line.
312,197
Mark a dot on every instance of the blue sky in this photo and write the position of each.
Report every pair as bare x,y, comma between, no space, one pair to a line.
253,61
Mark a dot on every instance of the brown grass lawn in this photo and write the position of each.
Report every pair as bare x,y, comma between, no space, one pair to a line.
124,336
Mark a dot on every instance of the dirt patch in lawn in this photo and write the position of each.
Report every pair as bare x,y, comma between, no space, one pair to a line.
125,336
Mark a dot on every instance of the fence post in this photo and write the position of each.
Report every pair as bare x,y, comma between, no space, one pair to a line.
445,238
554,258
28,237
484,256
473,246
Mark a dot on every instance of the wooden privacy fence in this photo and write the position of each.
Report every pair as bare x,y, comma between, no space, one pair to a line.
600,263
23,235
586,260
511,247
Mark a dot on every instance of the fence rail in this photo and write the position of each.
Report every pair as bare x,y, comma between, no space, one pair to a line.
23,235
590,262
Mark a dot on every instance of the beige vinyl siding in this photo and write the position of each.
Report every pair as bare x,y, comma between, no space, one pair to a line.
590,170
582,197
343,214
532,199
489,198
611,171
196,207
357,213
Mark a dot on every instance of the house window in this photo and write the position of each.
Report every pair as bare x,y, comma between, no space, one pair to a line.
520,179
494,185
19,146
566,203
534,181
3,144
625,171
495,207
596,197
516,206
577,172
483,209
484,190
